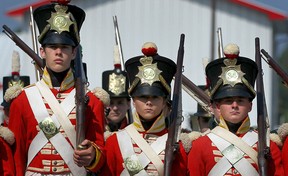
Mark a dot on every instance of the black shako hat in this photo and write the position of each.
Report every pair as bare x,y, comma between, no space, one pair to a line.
200,111
150,74
9,81
15,78
116,82
232,75
59,23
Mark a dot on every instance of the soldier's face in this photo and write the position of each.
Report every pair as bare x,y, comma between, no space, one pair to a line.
118,109
58,57
234,109
149,107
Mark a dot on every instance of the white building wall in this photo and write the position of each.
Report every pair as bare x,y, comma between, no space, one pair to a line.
162,22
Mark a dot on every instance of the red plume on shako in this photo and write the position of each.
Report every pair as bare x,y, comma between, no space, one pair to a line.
149,49
231,51
62,2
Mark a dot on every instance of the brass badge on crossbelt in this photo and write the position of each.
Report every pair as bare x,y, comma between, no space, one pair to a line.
48,127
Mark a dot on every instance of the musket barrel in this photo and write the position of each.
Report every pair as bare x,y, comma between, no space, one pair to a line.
195,92
81,99
24,47
275,67
176,113
261,119
34,42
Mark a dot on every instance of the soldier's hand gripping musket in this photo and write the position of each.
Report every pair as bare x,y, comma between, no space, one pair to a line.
276,67
176,114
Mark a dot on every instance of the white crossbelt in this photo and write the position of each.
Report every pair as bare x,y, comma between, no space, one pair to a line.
150,152
58,140
58,110
242,165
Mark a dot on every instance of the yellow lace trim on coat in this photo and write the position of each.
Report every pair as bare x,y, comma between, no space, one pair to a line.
157,126
67,83
245,126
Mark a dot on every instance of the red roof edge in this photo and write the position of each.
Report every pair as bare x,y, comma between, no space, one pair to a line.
272,14
20,11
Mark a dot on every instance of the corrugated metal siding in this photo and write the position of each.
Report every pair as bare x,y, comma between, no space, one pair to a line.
162,21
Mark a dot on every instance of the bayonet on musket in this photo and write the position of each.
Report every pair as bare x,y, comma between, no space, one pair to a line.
119,54
35,43
118,41
220,43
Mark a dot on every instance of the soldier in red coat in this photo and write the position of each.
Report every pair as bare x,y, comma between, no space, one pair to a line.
231,147
285,156
139,148
12,86
6,158
283,133
115,83
43,116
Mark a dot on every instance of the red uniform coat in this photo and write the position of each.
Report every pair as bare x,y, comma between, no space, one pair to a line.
203,154
6,159
25,127
285,156
114,161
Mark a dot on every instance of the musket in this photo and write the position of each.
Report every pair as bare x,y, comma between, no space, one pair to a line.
195,92
220,43
172,143
119,50
34,42
272,63
263,149
81,98
24,47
